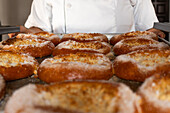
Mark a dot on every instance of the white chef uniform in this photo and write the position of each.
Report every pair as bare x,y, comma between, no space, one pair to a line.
104,16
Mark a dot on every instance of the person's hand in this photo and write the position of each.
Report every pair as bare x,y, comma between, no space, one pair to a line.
158,32
22,30
25,30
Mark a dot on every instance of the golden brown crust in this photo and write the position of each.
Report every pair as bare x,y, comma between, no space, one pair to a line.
33,47
155,94
134,34
15,66
31,36
75,66
132,44
82,37
50,36
140,65
77,97
74,47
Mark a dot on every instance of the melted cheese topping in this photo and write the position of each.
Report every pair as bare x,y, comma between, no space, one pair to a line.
161,88
82,36
44,35
84,97
137,33
27,42
79,57
150,59
139,42
8,59
91,45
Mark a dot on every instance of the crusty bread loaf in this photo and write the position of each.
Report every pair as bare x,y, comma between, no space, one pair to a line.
33,47
31,36
2,87
55,39
140,65
74,47
74,97
15,66
134,34
132,44
41,35
75,66
155,93
85,37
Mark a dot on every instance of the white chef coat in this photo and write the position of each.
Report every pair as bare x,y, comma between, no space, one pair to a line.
102,16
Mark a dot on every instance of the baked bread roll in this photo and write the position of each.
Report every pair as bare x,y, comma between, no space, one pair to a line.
82,37
73,97
133,44
75,66
134,34
50,36
2,87
41,35
74,47
15,66
140,65
31,36
155,93
33,47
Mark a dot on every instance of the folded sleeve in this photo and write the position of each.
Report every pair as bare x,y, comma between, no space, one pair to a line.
144,15
40,16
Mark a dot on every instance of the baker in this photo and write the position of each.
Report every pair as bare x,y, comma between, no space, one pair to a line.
102,16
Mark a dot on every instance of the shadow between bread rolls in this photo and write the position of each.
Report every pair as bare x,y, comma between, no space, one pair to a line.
75,66
2,87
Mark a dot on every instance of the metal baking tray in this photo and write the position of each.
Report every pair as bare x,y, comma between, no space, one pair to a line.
163,40
162,26
9,29
11,86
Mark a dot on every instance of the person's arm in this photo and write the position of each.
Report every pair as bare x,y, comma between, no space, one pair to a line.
40,16
145,17
26,30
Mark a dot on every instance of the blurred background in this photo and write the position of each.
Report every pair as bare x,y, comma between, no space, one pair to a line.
15,12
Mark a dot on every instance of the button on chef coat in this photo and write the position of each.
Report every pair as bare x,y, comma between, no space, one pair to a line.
103,16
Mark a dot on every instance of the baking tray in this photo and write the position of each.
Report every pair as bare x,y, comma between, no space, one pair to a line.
162,26
163,40
11,86
9,29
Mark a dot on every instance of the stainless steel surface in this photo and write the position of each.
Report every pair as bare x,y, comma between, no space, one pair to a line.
162,26
8,29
